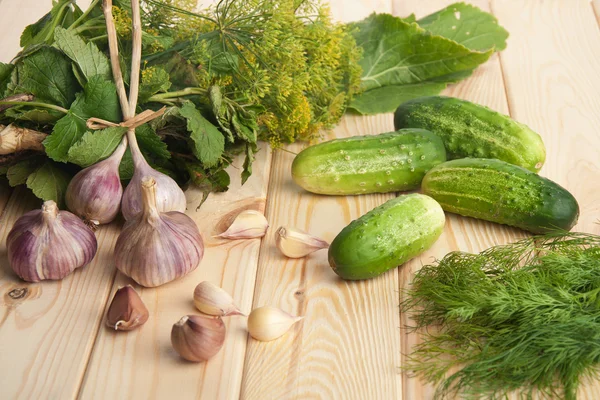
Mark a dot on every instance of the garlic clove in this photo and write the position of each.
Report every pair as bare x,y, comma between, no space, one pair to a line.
155,247
246,225
295,243
127,311
269,323
213,300
49,244
94,194
198,337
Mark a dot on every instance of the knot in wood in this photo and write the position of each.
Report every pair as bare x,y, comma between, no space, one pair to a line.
18,293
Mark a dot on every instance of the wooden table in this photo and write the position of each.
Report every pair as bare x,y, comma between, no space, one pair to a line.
350,345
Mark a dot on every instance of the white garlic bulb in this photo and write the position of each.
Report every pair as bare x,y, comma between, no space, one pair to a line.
95,193
155,247
169,196
49,244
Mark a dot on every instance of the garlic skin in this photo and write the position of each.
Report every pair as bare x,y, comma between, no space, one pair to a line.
198,337
269,323
247,225
49,244
213,300
127,311
13,139
95,193
169,196
294,243
154,247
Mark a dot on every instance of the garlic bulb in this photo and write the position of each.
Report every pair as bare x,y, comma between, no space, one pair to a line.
95,193
295,243
198,337
269,323
246,225
155,247
213,300
49,244
169,196
127,311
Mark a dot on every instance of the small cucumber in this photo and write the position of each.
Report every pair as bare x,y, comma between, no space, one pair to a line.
471,130
500,192
386,237
389,162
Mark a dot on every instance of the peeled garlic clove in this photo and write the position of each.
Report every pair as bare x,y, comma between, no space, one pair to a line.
169,196
295,243
49,244
246,225
95,193
127,311
198,337
155,247
213,300
269,323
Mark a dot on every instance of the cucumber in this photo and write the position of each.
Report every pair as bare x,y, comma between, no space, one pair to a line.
471,130
388,162
500,192
386,237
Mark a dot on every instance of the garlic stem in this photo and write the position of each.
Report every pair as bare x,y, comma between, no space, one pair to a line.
149,198
49,210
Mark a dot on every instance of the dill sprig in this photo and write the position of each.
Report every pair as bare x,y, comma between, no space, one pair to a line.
523,316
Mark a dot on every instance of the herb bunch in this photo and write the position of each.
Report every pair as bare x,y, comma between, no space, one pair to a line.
522,316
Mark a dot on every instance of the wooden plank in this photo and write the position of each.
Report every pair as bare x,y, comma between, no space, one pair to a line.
485,87
141,364
551,73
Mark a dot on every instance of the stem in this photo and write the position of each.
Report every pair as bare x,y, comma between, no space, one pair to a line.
113,47
179,93
117,154
35,104
14,139
136,56
98,38
84,28
58,19
136,153
149,197
84,15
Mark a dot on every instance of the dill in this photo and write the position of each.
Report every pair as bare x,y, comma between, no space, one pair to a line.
524,316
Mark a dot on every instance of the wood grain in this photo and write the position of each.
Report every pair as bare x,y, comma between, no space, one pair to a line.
141,363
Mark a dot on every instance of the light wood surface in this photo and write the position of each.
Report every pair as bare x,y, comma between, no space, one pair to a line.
351,343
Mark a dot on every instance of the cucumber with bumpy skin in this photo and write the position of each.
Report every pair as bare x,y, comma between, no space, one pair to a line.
386,237
389,162
472,130
500,192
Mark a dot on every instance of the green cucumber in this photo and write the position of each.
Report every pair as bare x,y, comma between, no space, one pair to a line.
386,237
471,130
500,192
389,162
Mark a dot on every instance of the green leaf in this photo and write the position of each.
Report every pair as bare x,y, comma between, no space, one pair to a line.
49,182
151,144
88,58
5,73
251,149
467,25
99,99
400,53
95,146
154,80
17,174
410,19
220,111
47,74
388,98
126,168
245,126
37,115
43,30
209,143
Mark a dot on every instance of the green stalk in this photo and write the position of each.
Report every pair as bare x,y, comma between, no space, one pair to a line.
162,97
35,104
83,16
57,20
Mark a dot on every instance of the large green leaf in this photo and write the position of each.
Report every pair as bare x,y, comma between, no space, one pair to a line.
49,182
5,73
42,31
95,146
99,99
86,56
18,173
401,53
388,98
467,25
47,74
209,142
